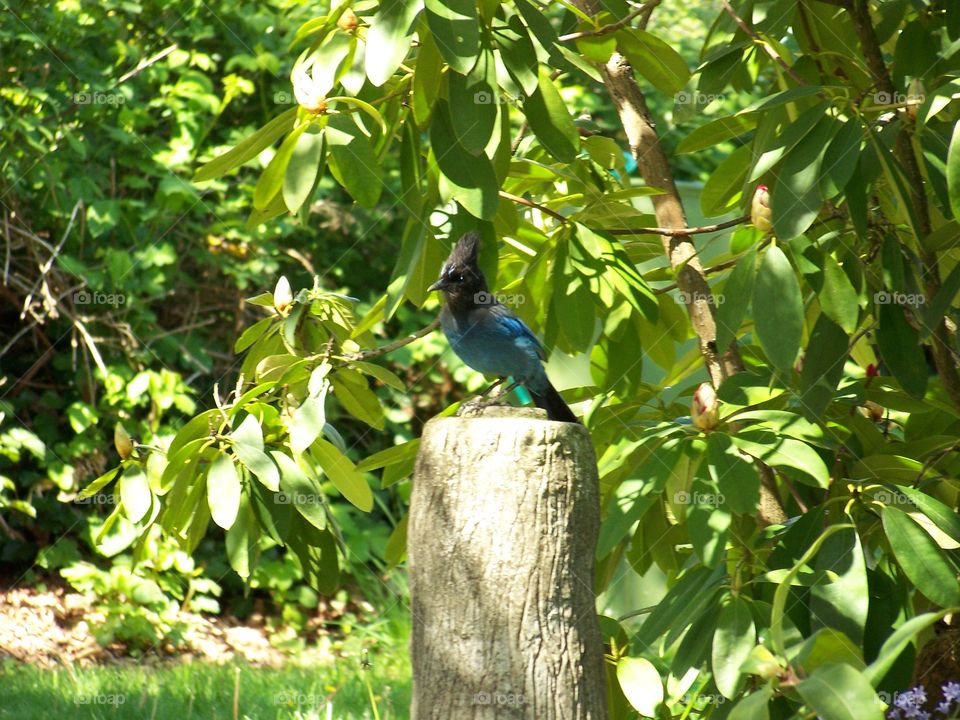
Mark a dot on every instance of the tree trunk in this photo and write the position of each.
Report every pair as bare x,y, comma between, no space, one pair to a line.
501,539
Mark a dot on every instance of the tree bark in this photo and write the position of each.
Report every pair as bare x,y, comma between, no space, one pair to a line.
503,527
654,166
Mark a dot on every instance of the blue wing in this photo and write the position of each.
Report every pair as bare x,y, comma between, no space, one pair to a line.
517,328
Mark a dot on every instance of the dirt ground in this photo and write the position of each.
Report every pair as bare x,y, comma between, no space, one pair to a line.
54,628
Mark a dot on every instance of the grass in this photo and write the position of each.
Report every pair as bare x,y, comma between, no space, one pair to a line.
339,689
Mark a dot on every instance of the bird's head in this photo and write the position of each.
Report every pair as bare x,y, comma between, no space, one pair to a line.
461,277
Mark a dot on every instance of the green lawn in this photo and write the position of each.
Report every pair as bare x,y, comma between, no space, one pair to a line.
196,691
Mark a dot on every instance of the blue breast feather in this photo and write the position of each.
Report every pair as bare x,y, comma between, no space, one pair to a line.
494,341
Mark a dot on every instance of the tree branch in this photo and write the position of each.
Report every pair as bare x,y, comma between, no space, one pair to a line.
719,267
531,204
631,105
752,34
941,341
396,345
679,232
612,27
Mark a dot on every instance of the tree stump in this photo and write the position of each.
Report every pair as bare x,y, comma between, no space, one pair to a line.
503,528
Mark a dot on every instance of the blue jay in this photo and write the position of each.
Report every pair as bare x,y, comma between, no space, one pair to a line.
487,336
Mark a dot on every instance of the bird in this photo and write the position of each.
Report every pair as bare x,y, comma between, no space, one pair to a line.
487,335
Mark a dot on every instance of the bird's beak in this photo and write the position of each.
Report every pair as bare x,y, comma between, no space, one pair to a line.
438,285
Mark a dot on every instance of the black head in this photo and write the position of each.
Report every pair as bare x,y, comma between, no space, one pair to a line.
460,277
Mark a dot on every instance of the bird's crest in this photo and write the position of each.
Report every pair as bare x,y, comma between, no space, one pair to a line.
466,251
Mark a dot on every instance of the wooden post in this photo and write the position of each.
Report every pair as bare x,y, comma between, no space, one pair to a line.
501,539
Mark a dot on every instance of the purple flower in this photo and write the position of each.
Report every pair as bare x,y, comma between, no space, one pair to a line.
911,703
951,691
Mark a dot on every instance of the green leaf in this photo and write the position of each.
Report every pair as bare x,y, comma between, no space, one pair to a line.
300,490
306,423
822,366
426,80
843,602
351,389
838,298
723,187
352,160
942,516
657,61
737,478
953,172
753,706
390,32
795,199
946,296
716,131
241,539
476,98
470,178
827,645
223,491
550,120
249,148
736,295
248,446
135,493
641,684
100,483
271,180
785,452
841,159
785,141
920,558
518,54
901,350
390,456
456,31
897,643
343,474
778,310
839,692
733,640
302,170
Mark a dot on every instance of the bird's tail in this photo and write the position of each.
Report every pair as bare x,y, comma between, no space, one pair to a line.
556,408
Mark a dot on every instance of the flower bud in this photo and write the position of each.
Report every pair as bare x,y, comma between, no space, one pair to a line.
348,20
760,214
282,295
122,442
704,410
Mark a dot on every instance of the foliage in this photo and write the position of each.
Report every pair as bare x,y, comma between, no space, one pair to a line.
846,414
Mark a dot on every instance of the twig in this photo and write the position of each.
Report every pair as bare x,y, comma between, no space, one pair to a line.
145,64
531,204
396,345
712,269
760,41
45,268
679,232
607,29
